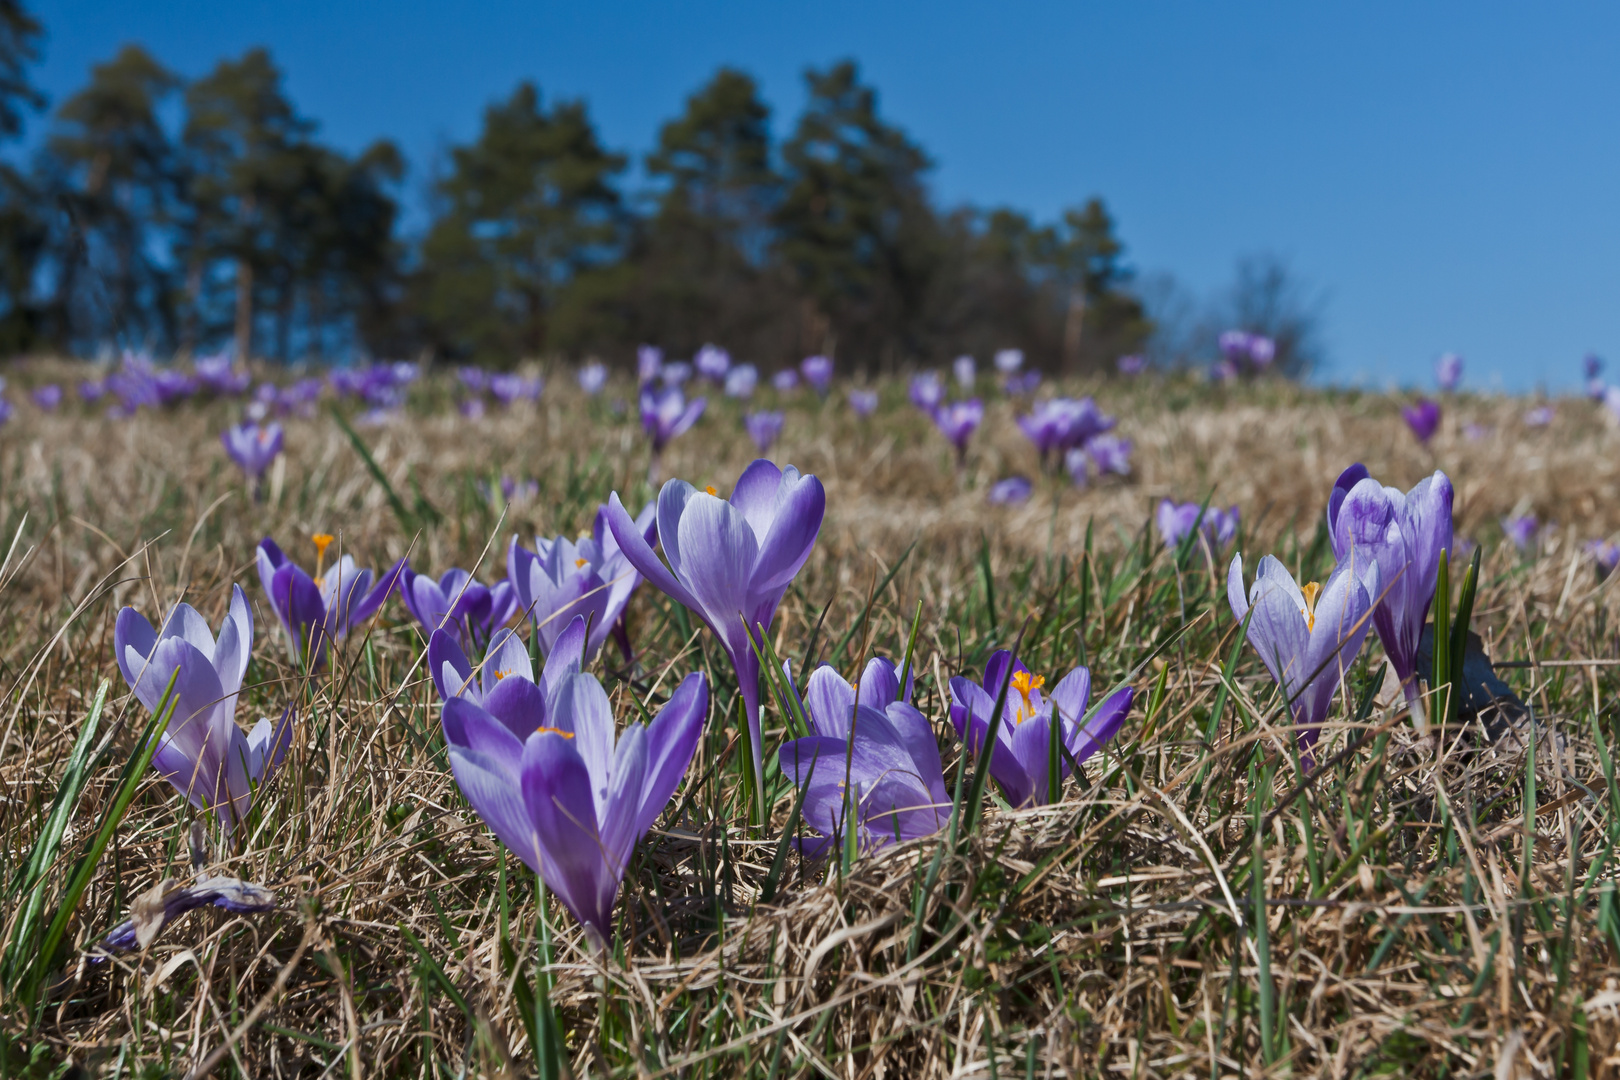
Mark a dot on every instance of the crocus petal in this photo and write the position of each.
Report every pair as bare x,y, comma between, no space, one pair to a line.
755,494
448,665
1073,694
133,642
1103,726
576,865
781,553
492,787
519,704
970,705
720,550
639,554
580,707
507,658
831,702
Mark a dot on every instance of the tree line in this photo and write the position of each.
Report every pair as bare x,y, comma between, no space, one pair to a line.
182,215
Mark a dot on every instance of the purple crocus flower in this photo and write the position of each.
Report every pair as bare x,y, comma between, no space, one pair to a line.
457,604
590,577
863,402
1110,453
712,362
509,389
1221,525
1596,388
318,610
540,763
1309,637
665,413
1061,423
1019,759
1423,418
1477,432
47,397
1176,520
472,408
1010,492
1605,553
202,752
676,373
1592,365
1521,529
926,391
592,377
1611,401
741,381
763,427
649,363
966,371
730,561
1078,465
1022,383
474,379
1223,371
1008,361
958,421
253,447
892,764
1133,364
785,381
1540,416
218,374
92,391
1262,350
1448,370
818,372
1404,535
1234,345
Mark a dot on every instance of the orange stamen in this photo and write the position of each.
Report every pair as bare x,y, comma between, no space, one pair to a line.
1026,684
1311,590
556,731
711,490
580,562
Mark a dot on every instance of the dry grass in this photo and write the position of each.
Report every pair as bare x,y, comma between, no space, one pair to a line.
1419,921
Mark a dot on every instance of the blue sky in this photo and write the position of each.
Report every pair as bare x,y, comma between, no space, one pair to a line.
1445,174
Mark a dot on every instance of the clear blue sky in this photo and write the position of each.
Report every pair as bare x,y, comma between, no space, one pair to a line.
1447,173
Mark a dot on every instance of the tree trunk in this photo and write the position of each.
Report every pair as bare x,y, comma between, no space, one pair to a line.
244,308
1073,324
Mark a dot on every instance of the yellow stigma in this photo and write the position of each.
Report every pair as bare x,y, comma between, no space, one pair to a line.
1026,684
580,562
710,489
555,731
1312,590
322,541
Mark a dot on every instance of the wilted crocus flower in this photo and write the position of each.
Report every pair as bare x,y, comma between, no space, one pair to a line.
763,427
649,363
167,901
730,562
588,577
786,380
1448,370
1020,759
1309,637
1110,453
540,763
958,421
315,611
509,389
892,766
1404,534
712,362
665,413
965,370
926,391
741,380
1008,361
1605,553
1423,418
1133,364
1521,529
863,402
253,447
47,397
592,377
202,752
1061,423
1540,416
818,372
457,604
1009,492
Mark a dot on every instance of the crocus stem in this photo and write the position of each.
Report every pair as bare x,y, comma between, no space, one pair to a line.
1414,702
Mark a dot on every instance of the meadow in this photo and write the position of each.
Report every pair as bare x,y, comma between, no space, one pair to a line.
1197,903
